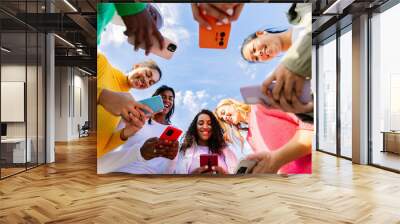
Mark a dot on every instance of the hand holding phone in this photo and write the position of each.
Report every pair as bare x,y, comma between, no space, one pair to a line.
167,52
217,37
210,160
245,166
155,103
254,95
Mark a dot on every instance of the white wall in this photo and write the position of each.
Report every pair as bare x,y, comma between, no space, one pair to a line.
16,73
33,126
69,85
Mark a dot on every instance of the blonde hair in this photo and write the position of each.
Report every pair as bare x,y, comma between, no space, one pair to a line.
241,108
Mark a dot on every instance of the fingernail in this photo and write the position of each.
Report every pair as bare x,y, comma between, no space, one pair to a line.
204,12
206,166
229,11
213,168
225,20
219,24
208,27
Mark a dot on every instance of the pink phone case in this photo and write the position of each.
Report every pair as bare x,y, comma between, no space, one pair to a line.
253,94
167,52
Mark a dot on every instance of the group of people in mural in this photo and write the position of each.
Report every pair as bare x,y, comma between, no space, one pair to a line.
278,137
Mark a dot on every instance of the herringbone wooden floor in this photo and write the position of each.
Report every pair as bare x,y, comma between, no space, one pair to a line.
70,191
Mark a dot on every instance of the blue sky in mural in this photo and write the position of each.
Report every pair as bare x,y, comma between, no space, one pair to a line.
200,77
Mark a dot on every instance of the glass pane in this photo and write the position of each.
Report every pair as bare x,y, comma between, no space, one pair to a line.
327,97
346,94
13,86
31,98
385,89
41,99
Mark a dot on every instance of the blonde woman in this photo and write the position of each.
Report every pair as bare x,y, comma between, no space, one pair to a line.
281,142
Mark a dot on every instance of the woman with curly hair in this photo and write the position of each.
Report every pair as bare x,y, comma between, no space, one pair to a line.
205,136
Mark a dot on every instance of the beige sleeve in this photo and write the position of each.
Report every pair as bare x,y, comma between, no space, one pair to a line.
298,58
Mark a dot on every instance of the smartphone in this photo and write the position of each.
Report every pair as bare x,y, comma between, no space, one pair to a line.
167,52
155,103
217,37
171,133
253,94
209,160
245,166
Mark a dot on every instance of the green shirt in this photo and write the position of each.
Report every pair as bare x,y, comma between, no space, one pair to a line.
105,12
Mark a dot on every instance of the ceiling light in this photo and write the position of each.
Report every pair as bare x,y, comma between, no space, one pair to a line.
70,5
65,41
338,6
5,50
84,71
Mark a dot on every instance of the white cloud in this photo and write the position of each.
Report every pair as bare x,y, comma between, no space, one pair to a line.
172,27
113,35
189,104
247,69
192,101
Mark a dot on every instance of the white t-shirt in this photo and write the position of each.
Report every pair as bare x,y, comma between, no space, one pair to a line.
128,159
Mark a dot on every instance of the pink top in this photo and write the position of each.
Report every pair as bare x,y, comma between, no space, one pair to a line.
270,129
189,160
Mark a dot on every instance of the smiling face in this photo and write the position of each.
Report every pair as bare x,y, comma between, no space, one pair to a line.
143,77
228,114
262,48
168,100
204,128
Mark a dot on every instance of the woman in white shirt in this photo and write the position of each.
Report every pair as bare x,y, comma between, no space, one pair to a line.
205,136
144,152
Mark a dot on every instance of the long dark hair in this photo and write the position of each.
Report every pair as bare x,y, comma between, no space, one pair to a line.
216,141
254,36
158,92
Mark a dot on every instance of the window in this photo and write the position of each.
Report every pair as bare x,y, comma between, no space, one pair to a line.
327,95
385,89
346,75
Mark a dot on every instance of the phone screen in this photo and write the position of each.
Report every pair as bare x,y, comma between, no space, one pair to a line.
241,170
155,103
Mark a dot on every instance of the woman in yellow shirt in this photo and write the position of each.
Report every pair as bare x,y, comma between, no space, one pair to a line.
115,101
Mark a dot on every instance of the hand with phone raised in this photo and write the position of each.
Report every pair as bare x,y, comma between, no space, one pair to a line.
223,13
143,27
166,146
287,91
155,147
254,95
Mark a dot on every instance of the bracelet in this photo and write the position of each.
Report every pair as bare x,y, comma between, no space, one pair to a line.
121,135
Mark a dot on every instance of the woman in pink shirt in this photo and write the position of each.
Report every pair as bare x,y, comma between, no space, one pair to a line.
205,136
281,142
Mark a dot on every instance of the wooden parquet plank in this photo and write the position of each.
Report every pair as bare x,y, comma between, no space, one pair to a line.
70,191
